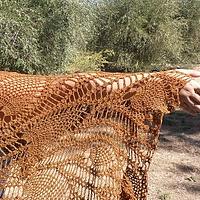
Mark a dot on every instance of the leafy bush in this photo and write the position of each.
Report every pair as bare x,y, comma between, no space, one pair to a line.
42,36
54,36
141,32
85,62
19,31
190,11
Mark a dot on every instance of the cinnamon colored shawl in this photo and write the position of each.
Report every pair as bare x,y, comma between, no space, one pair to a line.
83,136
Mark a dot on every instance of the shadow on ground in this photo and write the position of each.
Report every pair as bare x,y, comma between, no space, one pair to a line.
179,122
175,168
181,132
188,169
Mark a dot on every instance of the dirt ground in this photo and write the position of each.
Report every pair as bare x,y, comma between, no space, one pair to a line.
175,170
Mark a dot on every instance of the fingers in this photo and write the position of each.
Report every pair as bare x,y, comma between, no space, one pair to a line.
193,73
190,94
191,104
187,109
192,89
188,105
195,98
190,100
195,83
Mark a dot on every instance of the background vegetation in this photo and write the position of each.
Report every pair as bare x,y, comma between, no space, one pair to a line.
57,36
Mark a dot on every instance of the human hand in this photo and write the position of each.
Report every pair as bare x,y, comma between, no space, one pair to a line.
190,93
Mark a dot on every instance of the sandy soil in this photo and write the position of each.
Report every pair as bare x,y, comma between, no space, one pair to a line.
175,170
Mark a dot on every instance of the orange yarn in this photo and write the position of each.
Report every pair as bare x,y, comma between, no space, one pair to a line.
82,136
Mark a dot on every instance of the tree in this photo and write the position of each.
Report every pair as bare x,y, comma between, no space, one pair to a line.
19,32
43,36
190,11
141,32
52,36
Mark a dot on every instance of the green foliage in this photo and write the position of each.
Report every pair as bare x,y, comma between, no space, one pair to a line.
190,11
66,31
54,36
164,197
19,30
42,36
141,32
85,62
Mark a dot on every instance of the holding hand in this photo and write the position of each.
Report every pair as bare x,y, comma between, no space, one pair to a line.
190,93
